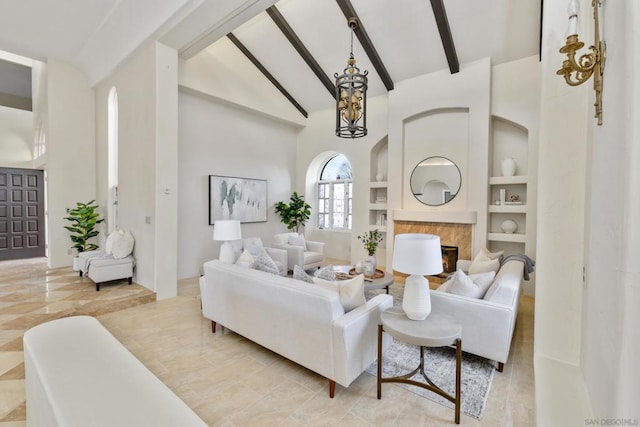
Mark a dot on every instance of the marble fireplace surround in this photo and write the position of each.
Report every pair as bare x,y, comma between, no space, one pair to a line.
454,229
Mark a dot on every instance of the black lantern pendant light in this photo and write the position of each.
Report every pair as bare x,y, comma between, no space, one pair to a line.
351,96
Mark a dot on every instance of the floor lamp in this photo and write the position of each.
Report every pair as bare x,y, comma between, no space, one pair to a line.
226,230
417,255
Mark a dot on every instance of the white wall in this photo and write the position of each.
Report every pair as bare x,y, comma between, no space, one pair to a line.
562,172
469,90
515,97
147,161
316,142
16,137
611,296
219,139
71,163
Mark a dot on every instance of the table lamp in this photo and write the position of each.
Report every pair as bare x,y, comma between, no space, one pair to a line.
417,255
226,230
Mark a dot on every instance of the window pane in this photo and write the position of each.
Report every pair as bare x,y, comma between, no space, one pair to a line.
336,168
338,191
349,218
338,206
321,206
338,220
323,220
322,190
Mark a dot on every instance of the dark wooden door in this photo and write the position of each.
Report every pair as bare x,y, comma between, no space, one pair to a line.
21,213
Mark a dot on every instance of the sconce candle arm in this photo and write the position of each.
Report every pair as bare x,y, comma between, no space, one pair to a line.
591,63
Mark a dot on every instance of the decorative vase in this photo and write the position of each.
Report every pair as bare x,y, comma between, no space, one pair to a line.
508,167
508,226
369,265
359,267
380,177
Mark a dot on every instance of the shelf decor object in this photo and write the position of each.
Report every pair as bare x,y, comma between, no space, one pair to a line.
508,167
509,226
417,255
226,230
592,63
351,96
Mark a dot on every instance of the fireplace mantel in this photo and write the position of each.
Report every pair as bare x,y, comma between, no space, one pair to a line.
451,217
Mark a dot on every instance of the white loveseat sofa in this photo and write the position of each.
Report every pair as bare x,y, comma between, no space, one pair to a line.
301,321
487,323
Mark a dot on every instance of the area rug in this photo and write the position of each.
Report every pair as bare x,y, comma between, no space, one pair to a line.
477,374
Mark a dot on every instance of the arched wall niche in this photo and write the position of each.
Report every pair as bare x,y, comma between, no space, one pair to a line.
440,132
509,139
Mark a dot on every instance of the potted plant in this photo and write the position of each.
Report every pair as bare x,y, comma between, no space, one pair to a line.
294,214
84,219
371,239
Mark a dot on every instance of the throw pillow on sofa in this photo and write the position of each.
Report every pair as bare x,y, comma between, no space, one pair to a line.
327,273
300,274
351,292
473,285
246,260
485,261
265,263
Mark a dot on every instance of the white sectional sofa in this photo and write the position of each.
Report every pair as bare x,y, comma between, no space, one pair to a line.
301,321
487,323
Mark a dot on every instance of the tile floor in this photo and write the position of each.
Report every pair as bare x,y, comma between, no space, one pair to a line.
226,379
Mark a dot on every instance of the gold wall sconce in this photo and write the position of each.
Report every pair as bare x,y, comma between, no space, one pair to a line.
591,63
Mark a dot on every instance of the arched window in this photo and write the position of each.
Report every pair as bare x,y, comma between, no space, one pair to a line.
335,190
112,178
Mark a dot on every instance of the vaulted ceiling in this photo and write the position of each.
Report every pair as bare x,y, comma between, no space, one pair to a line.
287,39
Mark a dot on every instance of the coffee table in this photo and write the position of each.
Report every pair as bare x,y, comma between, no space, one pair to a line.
381,283
437,330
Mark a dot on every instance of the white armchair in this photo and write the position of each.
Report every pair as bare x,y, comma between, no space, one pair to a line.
254,245
304,253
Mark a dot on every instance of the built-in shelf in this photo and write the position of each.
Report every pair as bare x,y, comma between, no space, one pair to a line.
508,208
508,237
378,206
507,180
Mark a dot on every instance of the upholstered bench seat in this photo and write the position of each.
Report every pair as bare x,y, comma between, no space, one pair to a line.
78,374
100,267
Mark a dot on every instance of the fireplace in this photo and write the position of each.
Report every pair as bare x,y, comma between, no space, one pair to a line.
449,258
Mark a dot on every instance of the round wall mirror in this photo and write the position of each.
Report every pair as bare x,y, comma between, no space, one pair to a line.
435,181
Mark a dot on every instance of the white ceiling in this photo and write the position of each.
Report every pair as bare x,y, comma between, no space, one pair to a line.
97,35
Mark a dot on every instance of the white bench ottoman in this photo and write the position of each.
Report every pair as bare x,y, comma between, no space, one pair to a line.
78,374
100,267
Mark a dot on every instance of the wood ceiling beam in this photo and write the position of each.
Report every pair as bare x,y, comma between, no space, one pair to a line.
297,44
266,73
349,11
445,35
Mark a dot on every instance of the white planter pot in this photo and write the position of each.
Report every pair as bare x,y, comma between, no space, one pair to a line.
369,266
76,263
508,167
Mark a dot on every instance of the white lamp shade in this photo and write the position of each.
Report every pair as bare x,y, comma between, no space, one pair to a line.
416,253
227,229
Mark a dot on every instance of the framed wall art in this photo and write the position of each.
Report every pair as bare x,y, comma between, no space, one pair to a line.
244,199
